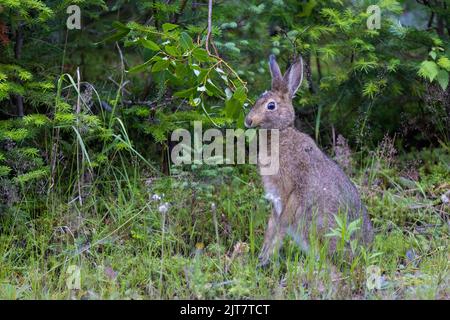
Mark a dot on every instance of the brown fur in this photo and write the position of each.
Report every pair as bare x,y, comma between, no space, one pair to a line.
311,187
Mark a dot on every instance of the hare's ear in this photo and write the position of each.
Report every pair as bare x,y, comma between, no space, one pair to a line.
277,78
294,76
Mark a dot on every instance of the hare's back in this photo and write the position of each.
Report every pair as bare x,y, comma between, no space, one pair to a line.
318,179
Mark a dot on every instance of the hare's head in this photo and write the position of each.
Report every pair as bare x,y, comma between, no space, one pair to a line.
274,110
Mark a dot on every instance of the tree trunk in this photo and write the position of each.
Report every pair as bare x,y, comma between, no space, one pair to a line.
17,54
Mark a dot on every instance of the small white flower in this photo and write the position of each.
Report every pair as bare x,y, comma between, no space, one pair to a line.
164,208
156,197
445,199
228,93
213,206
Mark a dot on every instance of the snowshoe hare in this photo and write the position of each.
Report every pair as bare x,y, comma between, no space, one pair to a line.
309,188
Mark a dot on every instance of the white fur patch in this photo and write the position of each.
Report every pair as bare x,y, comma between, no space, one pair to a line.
272,194
276,201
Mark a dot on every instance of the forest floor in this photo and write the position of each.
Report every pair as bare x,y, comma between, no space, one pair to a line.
197,235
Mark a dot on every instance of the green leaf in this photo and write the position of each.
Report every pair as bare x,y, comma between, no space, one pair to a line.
38,120
442,79
117,36
444,63
149,44
32,175
200,54
120,26
232,108
185,93
211,87
168,27
240,120
30,152
393,65
433,55
186,41
307,8
366,66
4,171
429,70
370,89
17,135
160,65
140,67
181,70
172,50
240,94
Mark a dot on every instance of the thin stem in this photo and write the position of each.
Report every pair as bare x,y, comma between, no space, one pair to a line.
209,33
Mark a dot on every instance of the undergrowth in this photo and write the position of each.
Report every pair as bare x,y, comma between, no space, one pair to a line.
196,234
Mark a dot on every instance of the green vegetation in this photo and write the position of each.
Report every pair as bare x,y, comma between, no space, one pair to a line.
85,121
206,244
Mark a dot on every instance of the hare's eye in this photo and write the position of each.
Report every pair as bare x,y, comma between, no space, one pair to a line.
271,106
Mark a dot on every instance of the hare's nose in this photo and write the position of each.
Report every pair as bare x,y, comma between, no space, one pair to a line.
248,122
